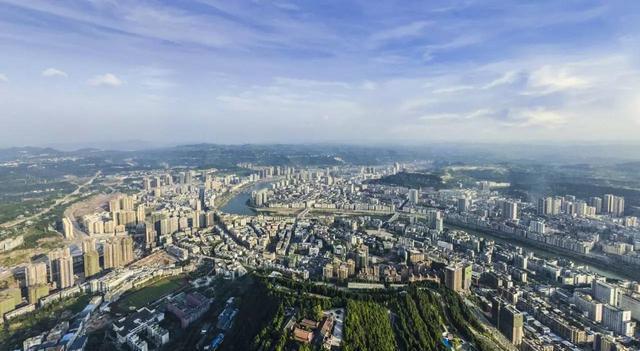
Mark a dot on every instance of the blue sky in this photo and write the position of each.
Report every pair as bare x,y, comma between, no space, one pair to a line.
318,71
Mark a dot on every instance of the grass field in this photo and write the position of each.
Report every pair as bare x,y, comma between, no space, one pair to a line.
150,293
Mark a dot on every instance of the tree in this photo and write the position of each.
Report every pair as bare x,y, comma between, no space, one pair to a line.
317,312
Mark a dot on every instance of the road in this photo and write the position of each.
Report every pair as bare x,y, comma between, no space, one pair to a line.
61,201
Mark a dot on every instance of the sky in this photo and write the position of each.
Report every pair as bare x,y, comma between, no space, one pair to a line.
173,72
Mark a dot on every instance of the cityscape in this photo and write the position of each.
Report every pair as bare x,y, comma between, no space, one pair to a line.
275,175
290,257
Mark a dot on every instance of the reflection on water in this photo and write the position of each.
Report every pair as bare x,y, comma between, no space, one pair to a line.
238,204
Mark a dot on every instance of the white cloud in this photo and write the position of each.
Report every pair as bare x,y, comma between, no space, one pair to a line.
107,79
480,113
507,78
3,78
369,85
54,72
548,79
541,118
453,89
405,31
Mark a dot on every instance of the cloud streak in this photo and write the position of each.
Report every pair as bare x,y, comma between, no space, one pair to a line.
54,72
107,79
242,71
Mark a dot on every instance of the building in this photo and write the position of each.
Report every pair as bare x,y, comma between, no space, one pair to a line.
35,273
458,277
510,210
91,263
537,227
35,292
112,256
508,320
453,278
150,236
631,303
118,252
414,195
61,268
9,298
613,205
605,292
327,271
303,336
463,204
618,320
606,343
67,228
127,328
140,214
91,258
188,307
260,197
587,304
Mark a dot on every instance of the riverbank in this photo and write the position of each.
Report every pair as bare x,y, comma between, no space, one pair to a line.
603,268
235,201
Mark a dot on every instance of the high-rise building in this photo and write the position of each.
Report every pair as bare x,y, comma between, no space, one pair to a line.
463,204
467,276
112,253
618,320
556,206
511,324
150,236
210,221
126,203
453,277
35,292
146,183
61,268
91,258
114,205
605,292
67,228
603,342
613,205
35,273
163,225
597,203
435,220
327,271
544,203
362,257
537,227
587,304
618,206
126,245
260,197
414,195
140,214
510,210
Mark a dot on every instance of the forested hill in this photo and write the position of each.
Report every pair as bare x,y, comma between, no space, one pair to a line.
411,180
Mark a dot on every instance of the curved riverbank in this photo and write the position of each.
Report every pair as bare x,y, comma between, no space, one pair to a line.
595,266
237,201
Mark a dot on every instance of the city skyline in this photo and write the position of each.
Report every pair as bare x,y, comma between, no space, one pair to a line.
263,72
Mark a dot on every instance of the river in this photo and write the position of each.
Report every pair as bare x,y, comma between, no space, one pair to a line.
238,203
545,254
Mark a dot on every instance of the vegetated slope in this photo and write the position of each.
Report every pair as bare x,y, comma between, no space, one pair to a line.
368,327
411,180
